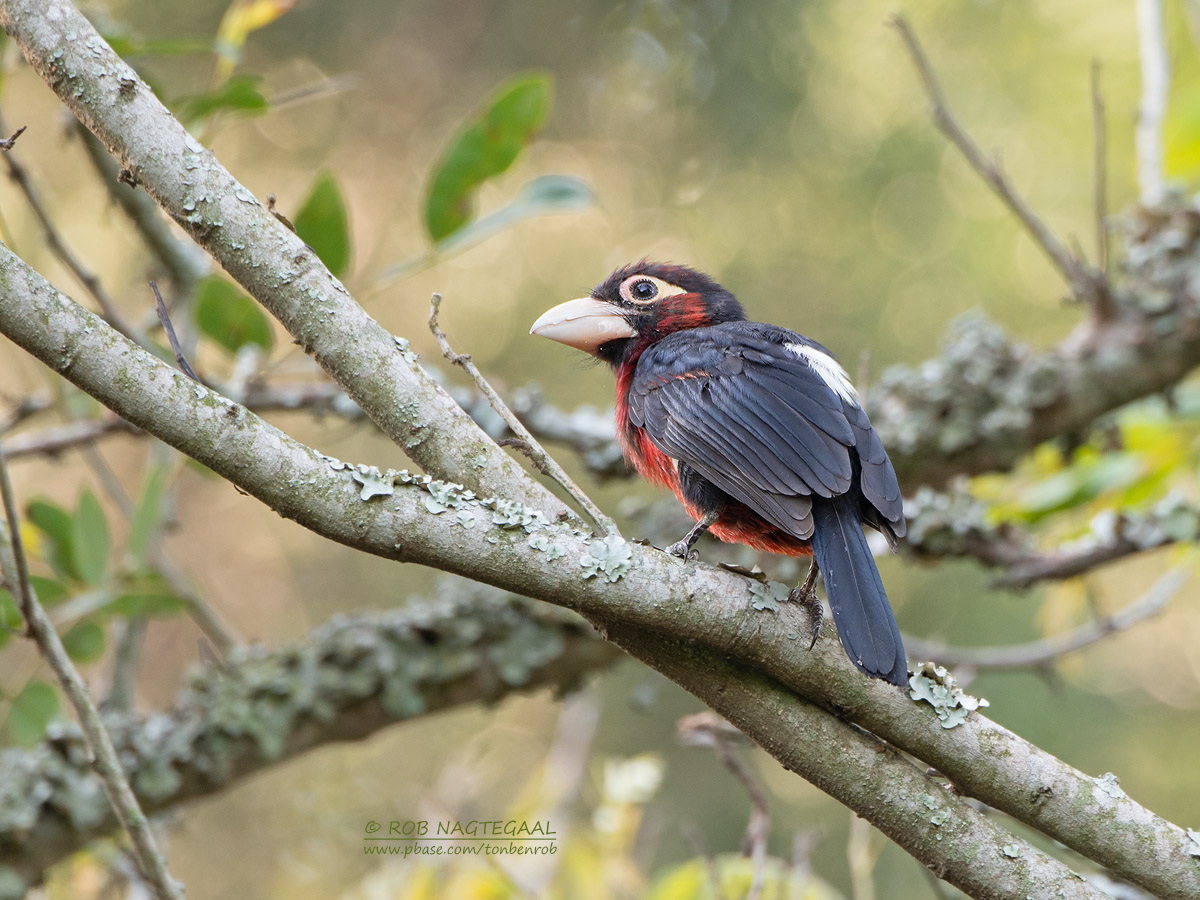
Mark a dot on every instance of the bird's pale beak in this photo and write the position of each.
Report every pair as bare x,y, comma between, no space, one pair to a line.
585,324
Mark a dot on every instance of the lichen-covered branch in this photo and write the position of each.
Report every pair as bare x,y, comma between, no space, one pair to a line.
349,678
274,266
904,801
615,584
953,524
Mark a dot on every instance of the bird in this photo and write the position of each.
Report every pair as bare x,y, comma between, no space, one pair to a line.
757,430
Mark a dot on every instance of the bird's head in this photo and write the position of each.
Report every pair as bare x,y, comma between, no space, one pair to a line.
635,306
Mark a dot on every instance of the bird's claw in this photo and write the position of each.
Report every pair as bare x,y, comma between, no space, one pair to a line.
806,596
681,550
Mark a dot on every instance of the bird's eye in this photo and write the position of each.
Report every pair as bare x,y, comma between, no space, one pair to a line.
643,290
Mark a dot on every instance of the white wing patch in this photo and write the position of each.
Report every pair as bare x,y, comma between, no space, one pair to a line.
829,369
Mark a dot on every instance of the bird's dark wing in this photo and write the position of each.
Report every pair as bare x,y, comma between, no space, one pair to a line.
759,421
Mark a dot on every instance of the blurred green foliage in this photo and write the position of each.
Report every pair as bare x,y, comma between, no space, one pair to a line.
484,148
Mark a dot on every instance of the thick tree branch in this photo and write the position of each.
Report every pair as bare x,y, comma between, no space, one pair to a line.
350,678
862,772
378,370
184,261
613,583
951,524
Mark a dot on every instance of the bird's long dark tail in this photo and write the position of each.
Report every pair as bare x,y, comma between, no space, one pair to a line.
860,606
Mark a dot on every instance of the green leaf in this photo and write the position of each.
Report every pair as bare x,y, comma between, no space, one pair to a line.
239,94
55,523
230,318
147,515
49,592
323,225
484,148
84,643
89,539
32,710
138,606
10,617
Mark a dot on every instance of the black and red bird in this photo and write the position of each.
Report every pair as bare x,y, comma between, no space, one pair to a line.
756,429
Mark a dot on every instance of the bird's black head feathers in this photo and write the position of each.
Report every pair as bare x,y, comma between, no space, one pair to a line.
659,299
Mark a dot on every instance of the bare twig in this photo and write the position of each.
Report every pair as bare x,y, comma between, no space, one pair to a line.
1156,79
105,760
214,627
165,318
57,245
125,661
542,460
1100,157
707,729
1084,281
7,143
23,409
1040,652
278,215
57,438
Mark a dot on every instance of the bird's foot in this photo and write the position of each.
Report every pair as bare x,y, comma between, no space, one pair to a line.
683,550
806,596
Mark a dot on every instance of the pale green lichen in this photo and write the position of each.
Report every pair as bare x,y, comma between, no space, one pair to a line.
609,559
547,545
405,350
1012,851
935,685
374,483
1109,786
1193,843
768,595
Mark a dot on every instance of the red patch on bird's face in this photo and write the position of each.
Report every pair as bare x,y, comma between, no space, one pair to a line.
680,312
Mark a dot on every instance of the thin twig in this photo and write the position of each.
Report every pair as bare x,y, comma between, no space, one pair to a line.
1040,652
165,318
542,460
707,729
1156,79
58,246
132,638
1100,151
55,439
1084,281
7,143
25,408
105,760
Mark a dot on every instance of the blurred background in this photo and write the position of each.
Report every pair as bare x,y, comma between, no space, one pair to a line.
783,147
